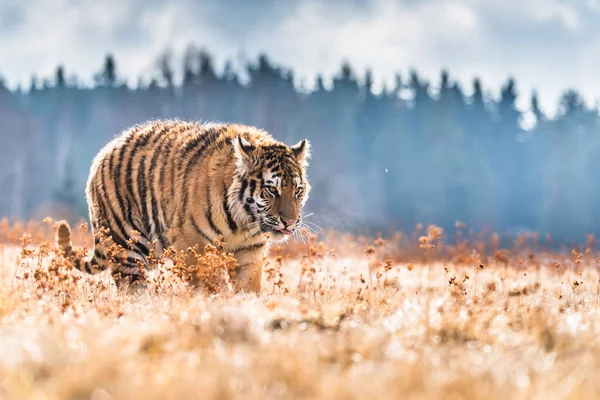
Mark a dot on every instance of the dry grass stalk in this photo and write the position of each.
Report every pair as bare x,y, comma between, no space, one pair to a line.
321,329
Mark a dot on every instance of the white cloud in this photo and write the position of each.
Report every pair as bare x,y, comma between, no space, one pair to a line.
552,10
546,44
594,5
388,38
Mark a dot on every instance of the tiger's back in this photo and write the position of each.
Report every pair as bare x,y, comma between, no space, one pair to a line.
174,183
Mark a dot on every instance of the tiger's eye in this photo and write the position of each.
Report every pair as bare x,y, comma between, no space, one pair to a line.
272,191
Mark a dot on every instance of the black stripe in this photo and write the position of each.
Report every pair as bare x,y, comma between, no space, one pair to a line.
77,263
183,211
169,163
139,143
107,207
230,222
100,267
201,139
161,184
98,255
95,263
142,248
112,233
133,260
161,176
208,212
173,173
209,138
83,265
116,176
172,165
191,162
122,166
277,146
99,211
255,246
154,202
119,240
242,190
252,187
271,164
142,190
137,244
162,240
164,243
160,200
248,210
157,152
128,269
255,234
199,231
152,205
129,174
130,136
129,266
134,224
159,134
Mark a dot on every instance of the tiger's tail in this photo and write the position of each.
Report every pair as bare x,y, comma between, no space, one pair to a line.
63,240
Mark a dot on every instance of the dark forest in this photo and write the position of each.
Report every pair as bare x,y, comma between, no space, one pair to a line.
416,152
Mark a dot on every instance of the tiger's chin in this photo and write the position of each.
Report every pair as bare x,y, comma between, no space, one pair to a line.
277,235
280,237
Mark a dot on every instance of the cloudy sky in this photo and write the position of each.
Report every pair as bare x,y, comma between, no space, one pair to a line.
549,45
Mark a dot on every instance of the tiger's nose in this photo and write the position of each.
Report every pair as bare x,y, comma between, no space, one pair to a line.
288,222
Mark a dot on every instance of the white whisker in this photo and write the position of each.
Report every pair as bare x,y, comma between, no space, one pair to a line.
313,224
308,228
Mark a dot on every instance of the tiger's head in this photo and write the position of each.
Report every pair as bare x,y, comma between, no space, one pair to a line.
271,187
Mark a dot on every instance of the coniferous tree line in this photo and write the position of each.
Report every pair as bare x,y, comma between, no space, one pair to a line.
415,152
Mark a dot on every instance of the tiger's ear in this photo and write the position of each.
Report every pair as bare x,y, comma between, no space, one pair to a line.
243,151
301,151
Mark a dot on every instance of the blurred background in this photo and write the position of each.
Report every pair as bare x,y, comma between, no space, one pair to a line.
430,111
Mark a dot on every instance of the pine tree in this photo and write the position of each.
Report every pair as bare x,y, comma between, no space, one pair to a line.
33,84
60,80
165,69
107,77
189,67
535,108
229,75
477,98
508,113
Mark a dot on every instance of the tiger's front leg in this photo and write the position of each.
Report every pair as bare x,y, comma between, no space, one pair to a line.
248,278
248,275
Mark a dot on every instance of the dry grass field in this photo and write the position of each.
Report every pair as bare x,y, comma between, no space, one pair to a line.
340,317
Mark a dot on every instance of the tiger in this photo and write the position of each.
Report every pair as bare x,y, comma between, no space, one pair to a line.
176,184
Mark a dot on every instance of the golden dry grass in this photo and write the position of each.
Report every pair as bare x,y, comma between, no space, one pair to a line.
341,319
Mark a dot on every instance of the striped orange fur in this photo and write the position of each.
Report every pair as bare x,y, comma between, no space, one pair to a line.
175,183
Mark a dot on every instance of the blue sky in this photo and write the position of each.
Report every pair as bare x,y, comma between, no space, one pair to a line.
549,45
